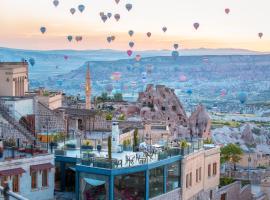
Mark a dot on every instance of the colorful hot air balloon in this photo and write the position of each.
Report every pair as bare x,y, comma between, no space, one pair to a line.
129,52
175,54
242,96
55,3
65,57
260,35
117,1
131,44
81,8
227,10
101,14
131,32
69,37
109,39
72,10
175,46
164,29
32,61
128,6
42,29
113,38
149,34
116,76
189,91
117,17
138,58
104,18
109,15
78,38
223,92
182,78
196,25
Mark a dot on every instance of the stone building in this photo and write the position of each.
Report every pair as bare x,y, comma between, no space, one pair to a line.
13,78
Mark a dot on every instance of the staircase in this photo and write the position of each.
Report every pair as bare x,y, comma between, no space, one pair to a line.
4,111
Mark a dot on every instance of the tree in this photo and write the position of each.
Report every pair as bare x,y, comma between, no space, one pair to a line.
183,144
135,139
109,117
110,147
104,96
121,117
231,153
208,141
118,97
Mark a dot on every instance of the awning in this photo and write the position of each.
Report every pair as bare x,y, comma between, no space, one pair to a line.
94,182
72,168
41,167
12,172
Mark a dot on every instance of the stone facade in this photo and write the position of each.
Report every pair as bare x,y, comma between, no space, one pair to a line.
198,179
173,195
234,191
25,190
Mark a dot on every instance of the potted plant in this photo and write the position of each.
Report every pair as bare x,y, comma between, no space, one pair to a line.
87,145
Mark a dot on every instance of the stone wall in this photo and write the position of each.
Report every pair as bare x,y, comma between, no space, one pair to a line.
172,195
234,191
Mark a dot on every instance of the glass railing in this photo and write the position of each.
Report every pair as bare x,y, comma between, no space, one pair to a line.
98,157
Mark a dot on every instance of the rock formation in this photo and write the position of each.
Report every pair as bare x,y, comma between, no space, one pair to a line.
200,123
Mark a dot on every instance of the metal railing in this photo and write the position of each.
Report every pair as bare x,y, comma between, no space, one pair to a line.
7,116
10,195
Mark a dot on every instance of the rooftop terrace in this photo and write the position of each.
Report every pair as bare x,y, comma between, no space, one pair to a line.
146,155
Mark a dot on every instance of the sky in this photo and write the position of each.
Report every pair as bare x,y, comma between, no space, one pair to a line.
20,22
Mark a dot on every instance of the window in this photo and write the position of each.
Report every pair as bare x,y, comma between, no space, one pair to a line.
223,196
214,168
126,186
34,180
197,175
173,176
45,178
3,180
156,182
209,170
211,194
200,174
187,179
15,183
190,179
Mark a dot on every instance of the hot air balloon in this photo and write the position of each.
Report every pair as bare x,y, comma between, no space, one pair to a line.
223,92
81,8
196,25
116,76
101,14
227,10
113,38
242,96
109,15
42,29
138,58
148,34
117,17
182,78
260,35
69,37
65,57
117,1
164,29
104,18
72,10
78,38
55,3
175,54
175,46
32,61
131,44
109,39
129,52
189,91
128,6
131,32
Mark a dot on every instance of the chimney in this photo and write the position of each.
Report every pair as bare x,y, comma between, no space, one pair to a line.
115,137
